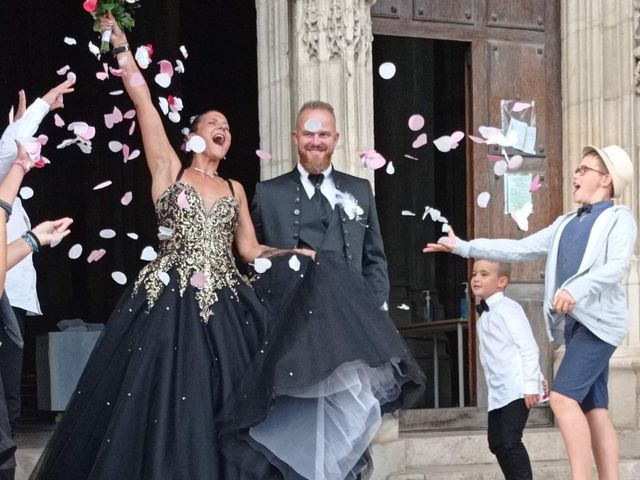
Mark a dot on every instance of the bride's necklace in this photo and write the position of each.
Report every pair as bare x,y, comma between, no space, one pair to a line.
210,175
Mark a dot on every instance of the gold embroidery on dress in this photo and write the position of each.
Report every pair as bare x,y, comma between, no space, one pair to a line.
201,242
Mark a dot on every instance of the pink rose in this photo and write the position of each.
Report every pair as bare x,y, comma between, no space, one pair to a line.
90,5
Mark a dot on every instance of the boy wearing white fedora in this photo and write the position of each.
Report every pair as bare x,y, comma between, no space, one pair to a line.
588,253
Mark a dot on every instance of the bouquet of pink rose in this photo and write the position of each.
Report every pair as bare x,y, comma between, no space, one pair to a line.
122,11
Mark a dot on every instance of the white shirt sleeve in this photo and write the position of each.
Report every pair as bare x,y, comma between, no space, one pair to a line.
22,129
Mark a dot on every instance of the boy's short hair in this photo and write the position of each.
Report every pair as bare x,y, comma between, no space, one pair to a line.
504,270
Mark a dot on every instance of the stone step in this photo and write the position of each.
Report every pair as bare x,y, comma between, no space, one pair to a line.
448,454
554,470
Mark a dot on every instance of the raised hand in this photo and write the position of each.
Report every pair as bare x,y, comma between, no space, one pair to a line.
445,244
54,97
22,105
52,230
118,38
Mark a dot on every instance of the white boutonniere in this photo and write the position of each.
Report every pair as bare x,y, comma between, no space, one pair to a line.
350,205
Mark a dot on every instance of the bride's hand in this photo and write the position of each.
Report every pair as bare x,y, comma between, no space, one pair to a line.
306,252
118,38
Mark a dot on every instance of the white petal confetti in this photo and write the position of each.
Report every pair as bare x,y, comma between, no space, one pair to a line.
126,198
390,168
164,278
75,251
313,125
115,146
261,265
164,233
294,263
132,235
500,168
103,185
107,233
483,199
148,254
404,306
26,193
70,41
119,277
387,70
408,213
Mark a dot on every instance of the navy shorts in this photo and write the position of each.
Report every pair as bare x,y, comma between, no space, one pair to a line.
584,370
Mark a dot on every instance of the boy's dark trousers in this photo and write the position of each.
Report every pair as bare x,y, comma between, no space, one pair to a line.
506,425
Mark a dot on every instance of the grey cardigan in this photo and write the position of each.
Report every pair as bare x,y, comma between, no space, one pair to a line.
601,303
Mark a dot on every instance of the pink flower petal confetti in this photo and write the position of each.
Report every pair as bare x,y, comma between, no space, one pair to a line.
96,255
520,106
132,128
416,122
104,74
420,141
198,280
500,168
129,114
483,199
103,185
372,160
119,277
263,155
63,70
125,152
126,198
475,139
515,162
110,119
116,72
183,201
75,251
57,119
134,154
536,183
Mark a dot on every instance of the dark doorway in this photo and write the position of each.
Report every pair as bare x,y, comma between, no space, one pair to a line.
428,295
220,73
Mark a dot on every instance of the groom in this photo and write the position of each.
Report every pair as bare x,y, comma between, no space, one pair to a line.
318,207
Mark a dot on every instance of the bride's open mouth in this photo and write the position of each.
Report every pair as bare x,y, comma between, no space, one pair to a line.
218,139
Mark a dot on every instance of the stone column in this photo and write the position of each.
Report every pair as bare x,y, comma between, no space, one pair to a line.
601,105
274,86
331,61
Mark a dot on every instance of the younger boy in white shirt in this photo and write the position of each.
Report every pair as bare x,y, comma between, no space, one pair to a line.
509,357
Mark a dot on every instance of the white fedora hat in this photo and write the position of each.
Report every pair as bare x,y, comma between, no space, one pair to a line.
618,164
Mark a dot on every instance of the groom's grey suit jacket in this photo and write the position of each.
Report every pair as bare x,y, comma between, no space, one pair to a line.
278,215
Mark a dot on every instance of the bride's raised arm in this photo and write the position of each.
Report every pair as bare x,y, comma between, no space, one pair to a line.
162,159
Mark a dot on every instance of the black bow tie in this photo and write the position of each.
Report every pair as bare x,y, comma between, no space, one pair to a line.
316,179
482,307
586,208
